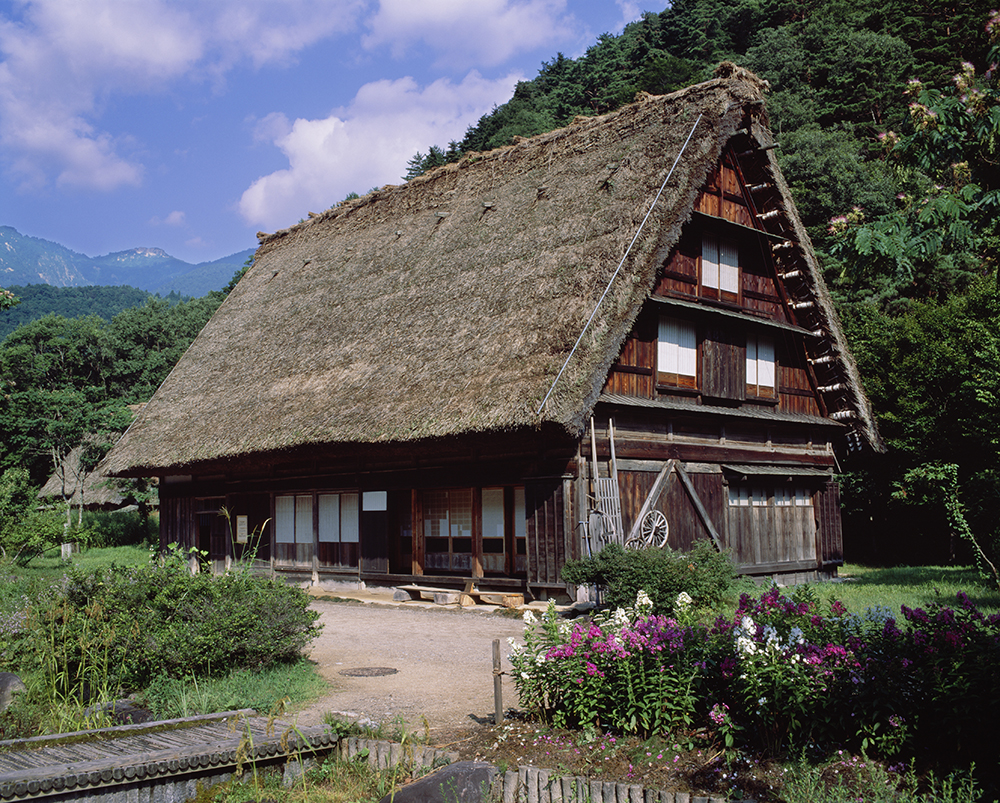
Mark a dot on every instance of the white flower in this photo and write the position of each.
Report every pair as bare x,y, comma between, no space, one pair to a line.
771,637
643,604
620,618
745,645
525,675
530,620
515,648
683,600
564,628
796,636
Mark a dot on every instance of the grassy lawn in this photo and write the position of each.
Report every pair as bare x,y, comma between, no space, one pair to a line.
863,587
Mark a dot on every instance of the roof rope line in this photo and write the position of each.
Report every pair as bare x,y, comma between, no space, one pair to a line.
618,269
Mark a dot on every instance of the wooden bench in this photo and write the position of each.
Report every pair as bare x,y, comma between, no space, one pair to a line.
470,595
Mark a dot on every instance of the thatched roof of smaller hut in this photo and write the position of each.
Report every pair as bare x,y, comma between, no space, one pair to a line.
100,492
448,305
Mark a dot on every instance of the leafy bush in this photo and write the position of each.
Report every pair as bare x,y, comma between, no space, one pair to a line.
25,532
117,628
703,573
119,528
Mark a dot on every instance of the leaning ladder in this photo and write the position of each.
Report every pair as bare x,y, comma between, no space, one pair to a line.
607,499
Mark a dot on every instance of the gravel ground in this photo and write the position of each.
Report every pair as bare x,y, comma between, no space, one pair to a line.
443,658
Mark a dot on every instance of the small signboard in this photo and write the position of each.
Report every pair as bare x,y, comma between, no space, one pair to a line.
241,529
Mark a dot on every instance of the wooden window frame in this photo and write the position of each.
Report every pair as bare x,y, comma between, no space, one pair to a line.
676,379
711,268
754,390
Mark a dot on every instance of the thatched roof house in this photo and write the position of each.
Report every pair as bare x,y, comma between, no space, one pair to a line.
72,483
440,318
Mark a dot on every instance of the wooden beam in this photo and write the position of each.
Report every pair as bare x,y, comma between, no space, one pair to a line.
699,507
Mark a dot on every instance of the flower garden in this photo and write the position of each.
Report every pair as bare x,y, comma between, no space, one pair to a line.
783,677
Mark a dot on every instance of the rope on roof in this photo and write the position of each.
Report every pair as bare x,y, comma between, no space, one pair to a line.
618,269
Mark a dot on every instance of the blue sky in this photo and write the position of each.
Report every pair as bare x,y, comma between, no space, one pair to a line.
190,126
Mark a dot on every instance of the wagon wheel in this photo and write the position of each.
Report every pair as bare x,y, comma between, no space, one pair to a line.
653,530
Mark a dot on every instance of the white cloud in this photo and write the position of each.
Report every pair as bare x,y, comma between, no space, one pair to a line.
63,61
482,33
365,144
175,218
631,11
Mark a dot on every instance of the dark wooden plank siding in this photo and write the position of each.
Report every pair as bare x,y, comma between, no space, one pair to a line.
632,374
723,362
546,537
679,275
795,389
634,487
830,536
772,535
177,524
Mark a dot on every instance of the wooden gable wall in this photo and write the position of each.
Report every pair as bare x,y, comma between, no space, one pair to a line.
725,209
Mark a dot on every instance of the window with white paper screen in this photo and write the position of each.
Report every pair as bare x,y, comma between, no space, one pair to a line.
677,353
720,264
710,260
520,531
494,530
350,529
303,520
329,518
284,519
761,371
493,518
729,266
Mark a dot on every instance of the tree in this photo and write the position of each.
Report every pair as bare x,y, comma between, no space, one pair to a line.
7,299
944,232
933,375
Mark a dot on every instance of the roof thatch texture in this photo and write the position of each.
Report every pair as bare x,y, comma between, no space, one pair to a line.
449,304
99,490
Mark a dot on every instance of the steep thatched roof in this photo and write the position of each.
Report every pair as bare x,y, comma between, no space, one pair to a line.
449,304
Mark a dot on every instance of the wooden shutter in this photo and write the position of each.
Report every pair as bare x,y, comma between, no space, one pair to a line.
723,364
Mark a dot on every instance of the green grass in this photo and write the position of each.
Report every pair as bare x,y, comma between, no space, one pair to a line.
864,587
51,566
268,690
18,584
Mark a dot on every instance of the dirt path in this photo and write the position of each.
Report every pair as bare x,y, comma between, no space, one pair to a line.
443,658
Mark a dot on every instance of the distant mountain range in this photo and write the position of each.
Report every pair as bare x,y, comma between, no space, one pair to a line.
31,260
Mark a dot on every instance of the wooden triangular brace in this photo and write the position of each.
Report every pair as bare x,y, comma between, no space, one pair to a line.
699,508
651,499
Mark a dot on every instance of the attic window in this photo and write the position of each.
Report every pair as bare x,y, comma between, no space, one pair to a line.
720,267
761,366
677,353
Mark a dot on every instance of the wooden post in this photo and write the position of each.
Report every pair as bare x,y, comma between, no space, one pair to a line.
497,684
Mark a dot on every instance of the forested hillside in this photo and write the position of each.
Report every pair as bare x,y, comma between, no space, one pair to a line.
38,300
887,118
66,380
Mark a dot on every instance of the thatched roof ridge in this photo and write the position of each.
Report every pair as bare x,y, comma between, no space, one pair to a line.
446,305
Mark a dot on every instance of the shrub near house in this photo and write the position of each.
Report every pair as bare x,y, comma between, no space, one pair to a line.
113,631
